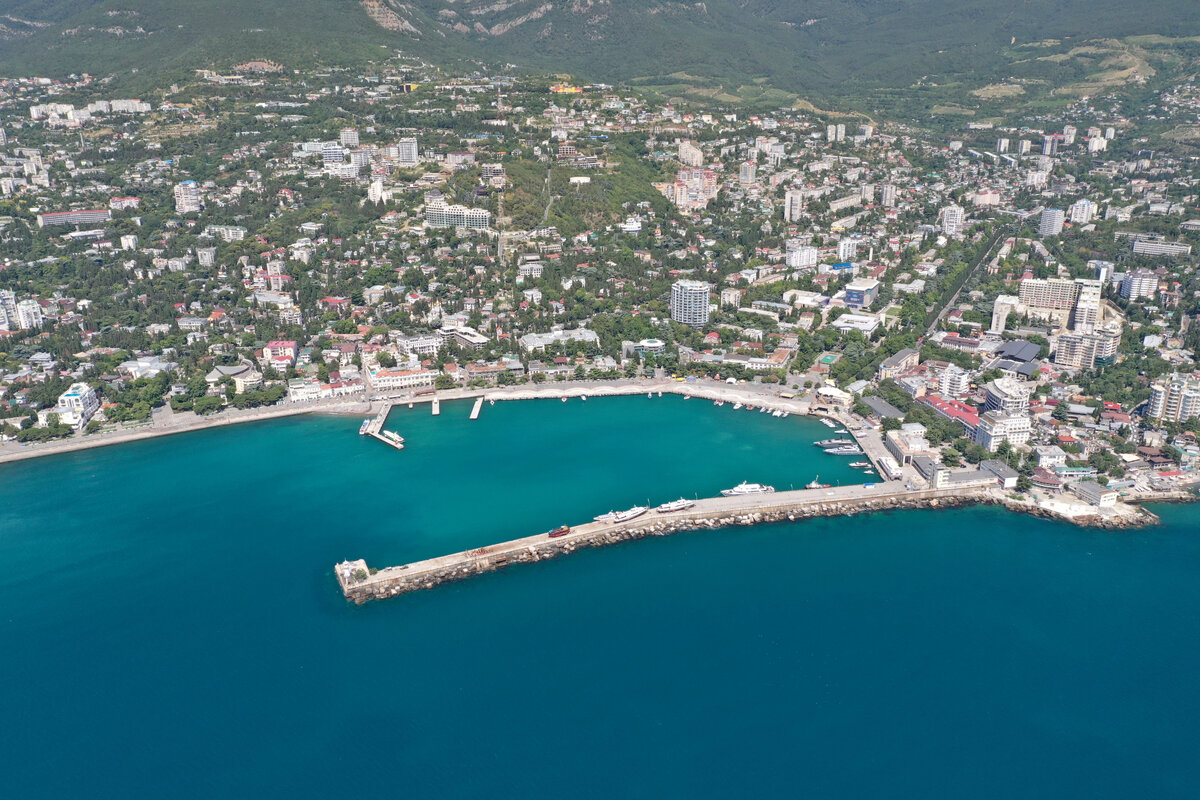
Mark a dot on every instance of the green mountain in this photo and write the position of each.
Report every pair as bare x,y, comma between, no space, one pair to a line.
827,49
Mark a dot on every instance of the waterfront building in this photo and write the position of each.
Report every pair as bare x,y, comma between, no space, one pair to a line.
996,427
1094,494
1175,398
397,379
76,406
689,302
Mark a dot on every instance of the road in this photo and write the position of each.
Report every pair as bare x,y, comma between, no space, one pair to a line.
1000,236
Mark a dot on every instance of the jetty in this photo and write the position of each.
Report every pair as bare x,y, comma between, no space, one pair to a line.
360,583
476,408
375,428
437,406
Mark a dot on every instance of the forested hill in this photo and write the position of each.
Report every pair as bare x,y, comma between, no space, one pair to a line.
818,48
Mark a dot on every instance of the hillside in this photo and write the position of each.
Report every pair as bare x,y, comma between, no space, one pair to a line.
839,51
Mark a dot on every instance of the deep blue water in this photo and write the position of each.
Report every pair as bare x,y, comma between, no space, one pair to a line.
170,626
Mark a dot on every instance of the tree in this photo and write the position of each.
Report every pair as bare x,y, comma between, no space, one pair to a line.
444,382
385,359
1060,412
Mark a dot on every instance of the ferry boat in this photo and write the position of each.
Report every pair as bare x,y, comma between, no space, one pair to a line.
609,517
362,429
815,484
848,450
860,464
834,443
394,439
675,505
747,488
561,530
827,423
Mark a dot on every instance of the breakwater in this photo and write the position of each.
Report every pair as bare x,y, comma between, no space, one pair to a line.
360,583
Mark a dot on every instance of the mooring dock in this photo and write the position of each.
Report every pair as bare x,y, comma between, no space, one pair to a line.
375,426
360,584
437,406
475,410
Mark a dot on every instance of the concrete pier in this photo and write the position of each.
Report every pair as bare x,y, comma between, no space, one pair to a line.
476,408
375,427
437,406
360,583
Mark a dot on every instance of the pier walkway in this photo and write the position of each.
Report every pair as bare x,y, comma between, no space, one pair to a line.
360,584
476,408
375,426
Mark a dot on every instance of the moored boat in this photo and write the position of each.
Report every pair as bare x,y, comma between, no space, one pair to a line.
675,505
816,484
834,443
747,488
362,429
561,530
632,513
847,450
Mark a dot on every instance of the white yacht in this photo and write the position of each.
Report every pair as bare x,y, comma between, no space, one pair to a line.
747,488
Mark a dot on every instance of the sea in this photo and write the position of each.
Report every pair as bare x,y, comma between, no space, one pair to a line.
170,625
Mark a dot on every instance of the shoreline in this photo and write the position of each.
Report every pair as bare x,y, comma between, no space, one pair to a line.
189,422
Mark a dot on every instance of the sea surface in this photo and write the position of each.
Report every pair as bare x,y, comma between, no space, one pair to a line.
170,625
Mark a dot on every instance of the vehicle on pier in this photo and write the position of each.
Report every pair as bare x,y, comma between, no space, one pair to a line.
747,488
675,505
561,530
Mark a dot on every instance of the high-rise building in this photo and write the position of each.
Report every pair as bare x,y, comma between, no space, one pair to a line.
1085,317
953,219
840,130
1082,212
954,381
831,133
1057,294
348,137
793,205
689,302
847,249
1024,146
802,256
1139,283
407,152
690,155
3,138
747,173
1004,305
1008,395
187,197
1088,350
333,153
1002,145
1051,223
29,315
1069,133
1175,398
887,195
1050,145
996,427
8,310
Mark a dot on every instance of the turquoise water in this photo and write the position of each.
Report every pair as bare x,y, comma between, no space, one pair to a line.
170,626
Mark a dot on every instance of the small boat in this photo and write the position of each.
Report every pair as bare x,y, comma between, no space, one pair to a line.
715,403
687,397
747,488
362,429
848,450
785,415
736,406
564,398
860,464
749,408
583,397
776,413
660,394
675,505
762,409
609,517
649,395
827,423
561,530
834,443
840,430
868,472
816,484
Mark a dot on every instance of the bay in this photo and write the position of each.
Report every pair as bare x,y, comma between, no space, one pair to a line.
170,625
